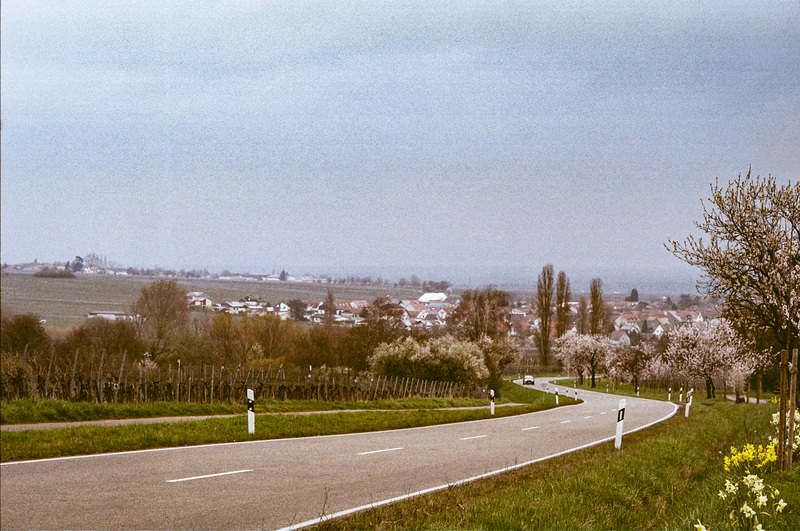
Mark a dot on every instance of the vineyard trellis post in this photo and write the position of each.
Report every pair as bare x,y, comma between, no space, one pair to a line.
792,408
781,446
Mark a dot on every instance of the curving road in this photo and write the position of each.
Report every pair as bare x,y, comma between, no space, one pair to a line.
294,482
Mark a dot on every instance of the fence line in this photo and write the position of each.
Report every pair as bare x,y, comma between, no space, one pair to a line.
215,384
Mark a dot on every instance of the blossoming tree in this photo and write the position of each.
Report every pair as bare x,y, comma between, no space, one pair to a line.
752,257
703,350
579,352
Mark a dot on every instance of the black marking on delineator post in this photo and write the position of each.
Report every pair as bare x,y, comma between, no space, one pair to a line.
251,412
620,419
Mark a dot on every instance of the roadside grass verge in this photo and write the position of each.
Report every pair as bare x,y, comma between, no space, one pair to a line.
33,411
628,389
40,444
665,477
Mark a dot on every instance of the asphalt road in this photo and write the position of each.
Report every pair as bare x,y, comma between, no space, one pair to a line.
293,482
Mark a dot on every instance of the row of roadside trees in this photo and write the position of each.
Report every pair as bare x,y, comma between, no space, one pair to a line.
702,351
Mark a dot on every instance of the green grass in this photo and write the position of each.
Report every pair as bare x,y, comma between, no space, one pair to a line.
39,444
665,477
627,389
33,411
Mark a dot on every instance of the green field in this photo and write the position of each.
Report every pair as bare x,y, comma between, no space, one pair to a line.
64,303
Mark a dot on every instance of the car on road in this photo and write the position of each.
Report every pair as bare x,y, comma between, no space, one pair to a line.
528,380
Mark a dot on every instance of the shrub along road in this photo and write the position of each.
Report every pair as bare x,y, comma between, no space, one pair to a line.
294,482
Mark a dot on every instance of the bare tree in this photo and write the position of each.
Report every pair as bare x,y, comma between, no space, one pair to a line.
583,315
597,320
330,308
483,312
562,304
162,311
544,309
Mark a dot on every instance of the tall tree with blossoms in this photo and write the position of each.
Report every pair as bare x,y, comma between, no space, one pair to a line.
703,350
633,362
752,257
579,352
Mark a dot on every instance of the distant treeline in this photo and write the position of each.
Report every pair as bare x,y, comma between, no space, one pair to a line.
54,273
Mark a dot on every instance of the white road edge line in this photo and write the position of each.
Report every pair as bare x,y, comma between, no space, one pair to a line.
476,437
346,512
379,451
208,476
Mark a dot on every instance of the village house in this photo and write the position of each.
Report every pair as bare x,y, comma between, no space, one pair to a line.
620,338
197,300
109,315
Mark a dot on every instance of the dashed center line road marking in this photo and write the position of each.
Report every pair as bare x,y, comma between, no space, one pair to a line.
590,416
531,428
380,451
603,413
476,437
565,422
208,476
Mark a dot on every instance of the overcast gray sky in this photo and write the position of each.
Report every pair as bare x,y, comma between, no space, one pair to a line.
459,140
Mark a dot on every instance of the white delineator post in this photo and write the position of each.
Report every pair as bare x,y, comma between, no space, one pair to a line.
669,395
556,396
620,419
689,397
251,412
491,396
680,398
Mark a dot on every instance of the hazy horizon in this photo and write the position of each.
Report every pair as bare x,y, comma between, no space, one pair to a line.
473,142
647,280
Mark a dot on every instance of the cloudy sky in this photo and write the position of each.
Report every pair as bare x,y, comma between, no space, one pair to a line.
461,140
